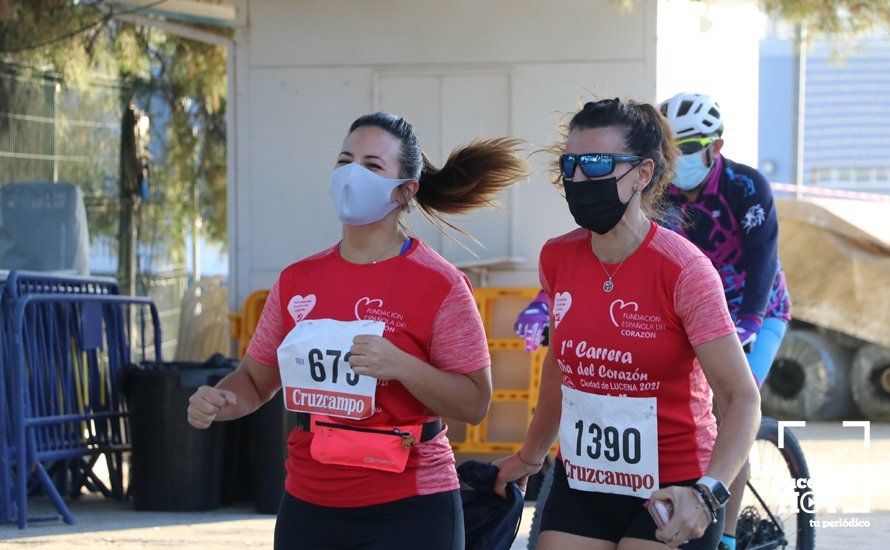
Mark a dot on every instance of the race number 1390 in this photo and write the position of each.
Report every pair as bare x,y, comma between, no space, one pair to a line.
319,372
607,442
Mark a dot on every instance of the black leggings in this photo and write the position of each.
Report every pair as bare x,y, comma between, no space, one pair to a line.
431,522
608,516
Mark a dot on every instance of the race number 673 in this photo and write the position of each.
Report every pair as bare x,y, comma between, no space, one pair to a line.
320,374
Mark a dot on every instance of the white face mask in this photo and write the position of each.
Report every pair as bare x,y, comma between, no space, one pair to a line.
361,196
691,171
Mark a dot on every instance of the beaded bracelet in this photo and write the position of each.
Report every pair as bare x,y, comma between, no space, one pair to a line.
700,494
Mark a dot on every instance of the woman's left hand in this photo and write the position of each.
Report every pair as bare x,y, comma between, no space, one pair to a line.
690,519
377,357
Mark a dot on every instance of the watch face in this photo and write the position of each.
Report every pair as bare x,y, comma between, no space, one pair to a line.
720,492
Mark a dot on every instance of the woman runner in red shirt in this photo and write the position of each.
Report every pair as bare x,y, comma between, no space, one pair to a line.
378,337
640,335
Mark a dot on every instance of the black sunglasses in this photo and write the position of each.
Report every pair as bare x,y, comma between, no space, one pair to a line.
594,165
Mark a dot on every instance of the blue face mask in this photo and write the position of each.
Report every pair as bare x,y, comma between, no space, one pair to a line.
691,172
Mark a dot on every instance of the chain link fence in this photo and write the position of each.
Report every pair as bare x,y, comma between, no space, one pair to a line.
51,132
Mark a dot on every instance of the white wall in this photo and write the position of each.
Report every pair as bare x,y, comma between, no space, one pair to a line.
713,48
455,69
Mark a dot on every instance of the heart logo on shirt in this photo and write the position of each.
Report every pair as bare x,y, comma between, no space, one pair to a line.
621,305
300,306
363,304
561,304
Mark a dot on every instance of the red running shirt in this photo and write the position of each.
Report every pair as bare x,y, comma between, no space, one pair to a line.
638,339
429,311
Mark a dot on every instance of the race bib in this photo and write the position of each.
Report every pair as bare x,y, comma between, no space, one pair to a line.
315,374
609,444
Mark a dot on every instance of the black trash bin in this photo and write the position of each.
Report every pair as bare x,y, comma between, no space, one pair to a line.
237,484
174,466
238,470
269,429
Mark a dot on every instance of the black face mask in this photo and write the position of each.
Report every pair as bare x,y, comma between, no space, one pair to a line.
595,204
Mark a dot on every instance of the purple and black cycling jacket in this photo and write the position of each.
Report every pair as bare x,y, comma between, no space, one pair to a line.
734,222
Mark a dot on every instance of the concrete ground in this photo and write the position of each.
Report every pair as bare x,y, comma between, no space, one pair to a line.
847,478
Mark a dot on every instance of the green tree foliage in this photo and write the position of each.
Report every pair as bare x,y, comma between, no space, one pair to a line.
835,18
183,79
80,43
838,18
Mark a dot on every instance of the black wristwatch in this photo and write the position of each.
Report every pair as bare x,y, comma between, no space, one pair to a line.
715,492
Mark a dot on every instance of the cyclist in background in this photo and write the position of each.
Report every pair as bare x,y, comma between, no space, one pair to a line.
726,209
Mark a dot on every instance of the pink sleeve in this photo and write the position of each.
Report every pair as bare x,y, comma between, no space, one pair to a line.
701,304
458,342
269,332
545,284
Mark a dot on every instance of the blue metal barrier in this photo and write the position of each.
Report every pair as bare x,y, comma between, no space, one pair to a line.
6,510
20,283
69,345
12,286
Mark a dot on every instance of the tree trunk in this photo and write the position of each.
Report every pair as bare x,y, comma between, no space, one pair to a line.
129,203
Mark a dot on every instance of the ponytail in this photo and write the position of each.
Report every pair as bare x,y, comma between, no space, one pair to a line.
471,178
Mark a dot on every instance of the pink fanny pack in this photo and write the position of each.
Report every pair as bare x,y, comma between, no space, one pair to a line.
384,448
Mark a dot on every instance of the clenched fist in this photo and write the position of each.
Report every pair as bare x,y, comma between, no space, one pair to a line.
206,403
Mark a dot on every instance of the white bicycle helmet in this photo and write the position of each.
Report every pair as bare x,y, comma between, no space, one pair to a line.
692,114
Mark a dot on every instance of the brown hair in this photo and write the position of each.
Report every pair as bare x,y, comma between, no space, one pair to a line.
646,134
472,176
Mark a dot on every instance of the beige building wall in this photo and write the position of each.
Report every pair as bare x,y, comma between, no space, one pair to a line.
456,69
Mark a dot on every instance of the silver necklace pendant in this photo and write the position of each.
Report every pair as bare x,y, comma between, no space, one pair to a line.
608,286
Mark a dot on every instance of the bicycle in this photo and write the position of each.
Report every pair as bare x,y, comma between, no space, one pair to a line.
776,511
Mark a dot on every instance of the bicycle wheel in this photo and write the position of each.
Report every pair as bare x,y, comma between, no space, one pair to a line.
775,511
543,493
